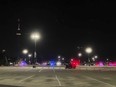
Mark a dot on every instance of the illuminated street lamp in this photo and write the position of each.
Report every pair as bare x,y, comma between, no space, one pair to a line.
29,55
79,54
63,59
35,36
107,59
88,50
96,57
93,58
25,51
3,50
59,58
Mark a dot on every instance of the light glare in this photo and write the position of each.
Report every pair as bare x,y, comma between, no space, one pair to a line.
25,51
58,63
35,36
29,55
79,54
88,50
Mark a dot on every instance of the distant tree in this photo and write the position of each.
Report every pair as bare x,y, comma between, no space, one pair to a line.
2,59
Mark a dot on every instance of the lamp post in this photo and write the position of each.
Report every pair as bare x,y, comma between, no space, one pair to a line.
29,55
79,56
25,51
4,56
88,50
35,36
59,58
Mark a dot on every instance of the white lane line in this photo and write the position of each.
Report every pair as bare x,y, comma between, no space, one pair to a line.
26,78
57,78
100,81
54,71
40,69
29,76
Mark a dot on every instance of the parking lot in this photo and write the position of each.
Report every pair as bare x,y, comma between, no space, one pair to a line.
55,77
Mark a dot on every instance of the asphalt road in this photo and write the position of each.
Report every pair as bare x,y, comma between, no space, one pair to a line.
41,77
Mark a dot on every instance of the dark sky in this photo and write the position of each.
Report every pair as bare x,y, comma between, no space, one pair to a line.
63,26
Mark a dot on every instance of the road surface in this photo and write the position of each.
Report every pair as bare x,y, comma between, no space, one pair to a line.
50,77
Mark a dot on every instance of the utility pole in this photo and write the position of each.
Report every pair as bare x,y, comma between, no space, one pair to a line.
18,36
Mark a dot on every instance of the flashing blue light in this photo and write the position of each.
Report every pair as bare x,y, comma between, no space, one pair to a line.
52,63
23,63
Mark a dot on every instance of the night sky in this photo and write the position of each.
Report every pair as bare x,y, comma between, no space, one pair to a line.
63,27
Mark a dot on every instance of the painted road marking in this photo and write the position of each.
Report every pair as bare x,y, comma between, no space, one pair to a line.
26,78
56,77
29,76
40,69
58,80
100,81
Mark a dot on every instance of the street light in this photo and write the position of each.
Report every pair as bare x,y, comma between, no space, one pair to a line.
35,36
79,54
62,58
29,55
88,50
3,50
59,58
25,51
93,58
96,57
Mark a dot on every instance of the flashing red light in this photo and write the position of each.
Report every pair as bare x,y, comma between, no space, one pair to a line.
75,62
112,64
